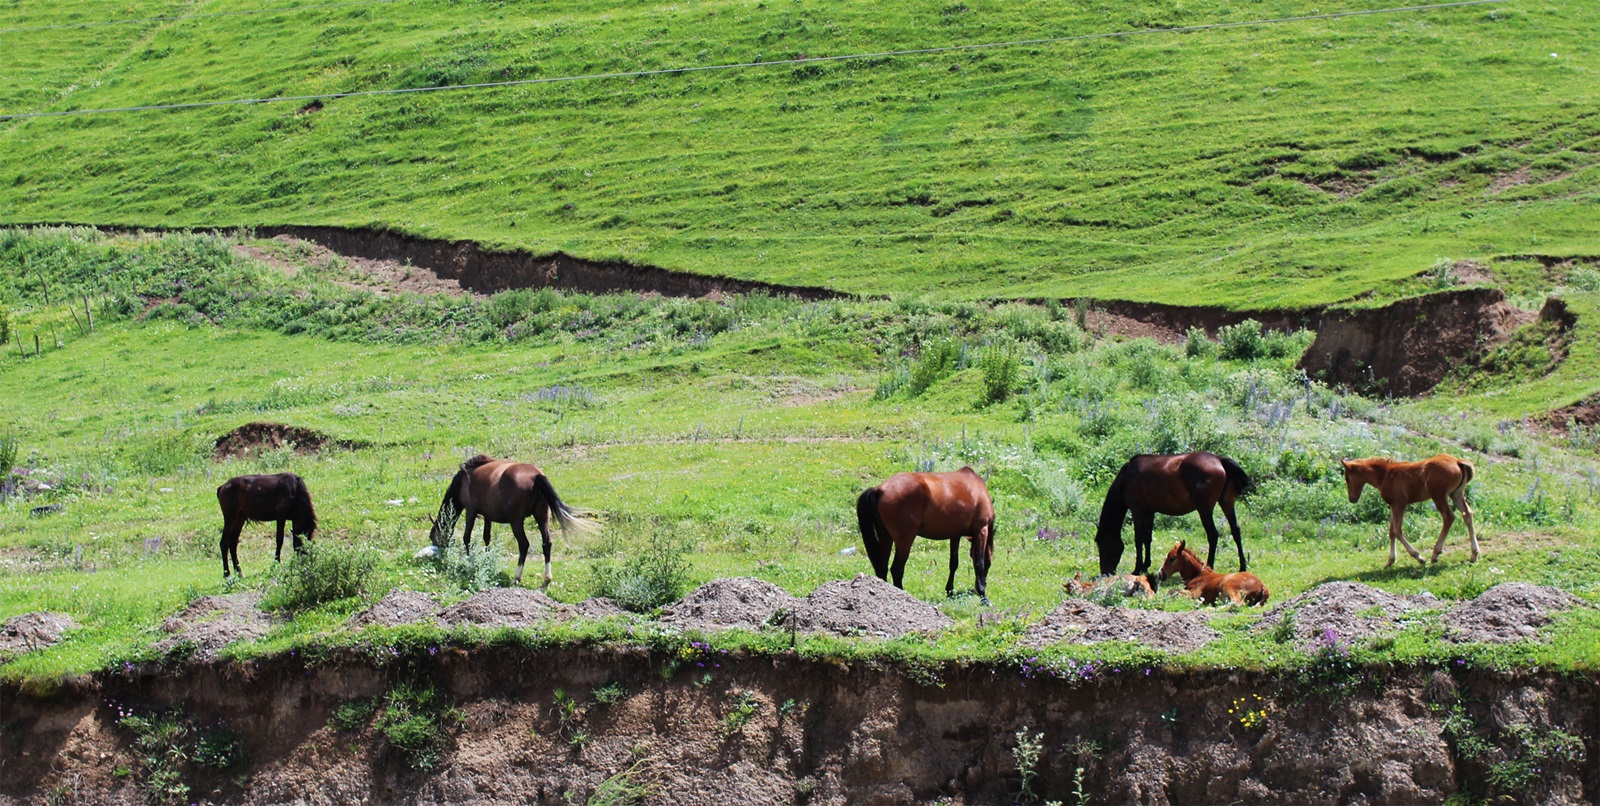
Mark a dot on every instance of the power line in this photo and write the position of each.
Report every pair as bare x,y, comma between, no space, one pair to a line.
741,65
187,16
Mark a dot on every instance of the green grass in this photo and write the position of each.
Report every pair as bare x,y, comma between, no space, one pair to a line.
1274,166
749,444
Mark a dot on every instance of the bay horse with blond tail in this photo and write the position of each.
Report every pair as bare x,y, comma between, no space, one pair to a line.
1441,479
1174,484
505,492
1241,587
937,506
282,497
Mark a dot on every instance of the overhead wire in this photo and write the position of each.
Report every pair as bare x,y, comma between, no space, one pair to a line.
329,96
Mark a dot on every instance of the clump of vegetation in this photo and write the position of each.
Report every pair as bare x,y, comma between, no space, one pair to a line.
1331,671
741,709
352,715
1026,753
417,722
658,576
1001,370
1247,342
321,573
471,571
1196,344
169,745
1520,761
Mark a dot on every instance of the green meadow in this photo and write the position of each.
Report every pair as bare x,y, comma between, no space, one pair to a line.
1281,165
741,428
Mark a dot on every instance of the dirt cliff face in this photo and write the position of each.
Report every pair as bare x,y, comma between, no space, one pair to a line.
1405,348
727,728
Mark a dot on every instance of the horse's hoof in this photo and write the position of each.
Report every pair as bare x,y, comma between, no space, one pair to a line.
985,600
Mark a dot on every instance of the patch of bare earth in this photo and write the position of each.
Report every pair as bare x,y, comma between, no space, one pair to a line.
503,607
1080,621
381,277
866,606
31,631
254,439
213,622
1512,611
1350,610
598,608
741,602
397,608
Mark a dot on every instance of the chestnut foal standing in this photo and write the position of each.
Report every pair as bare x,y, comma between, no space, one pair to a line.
1442,479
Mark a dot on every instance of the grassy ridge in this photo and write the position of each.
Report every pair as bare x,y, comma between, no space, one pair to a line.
1285,165
745,426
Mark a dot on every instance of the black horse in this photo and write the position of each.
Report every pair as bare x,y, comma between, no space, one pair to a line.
1171,485
280,498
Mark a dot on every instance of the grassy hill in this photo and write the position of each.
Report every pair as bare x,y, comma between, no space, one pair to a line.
1279,165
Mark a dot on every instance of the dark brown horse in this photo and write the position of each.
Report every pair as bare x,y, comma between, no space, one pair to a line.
1441,479
280,498
504,492
938,506
1206,585
1170,485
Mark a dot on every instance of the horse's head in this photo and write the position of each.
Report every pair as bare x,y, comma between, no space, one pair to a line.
1352,481
1174,562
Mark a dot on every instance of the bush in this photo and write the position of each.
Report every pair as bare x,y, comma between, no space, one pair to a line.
937,360
643,583
1242,342
320,574
472,571
1196,344
1000,372
414,721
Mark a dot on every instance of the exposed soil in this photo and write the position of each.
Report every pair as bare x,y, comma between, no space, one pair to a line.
816,732
213,622
254,439
396,608
597,609
503,607
1080,621
1351,611
743,602
1511,611
31,631
866,606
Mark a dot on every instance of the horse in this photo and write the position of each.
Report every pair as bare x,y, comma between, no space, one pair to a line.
937,506
504,492
1206,585
282,497
1442,479
1171,485
1130,585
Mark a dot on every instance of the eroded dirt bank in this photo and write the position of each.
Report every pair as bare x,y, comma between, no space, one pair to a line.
714,728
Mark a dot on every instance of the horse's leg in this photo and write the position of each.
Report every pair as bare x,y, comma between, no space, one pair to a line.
955,562
1397,531
522,548
1233,528
1460,498
1209,522
902,552
233,549
982,554
541,516
486,525
277,556
230,539
466,537
1442,503
1144,525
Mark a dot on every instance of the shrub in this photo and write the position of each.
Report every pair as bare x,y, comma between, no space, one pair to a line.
937,360
1196,344
1242,342
471,571
414,722
1000,372
657,577
319,574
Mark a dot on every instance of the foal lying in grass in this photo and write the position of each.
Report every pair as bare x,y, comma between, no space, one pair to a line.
1206,584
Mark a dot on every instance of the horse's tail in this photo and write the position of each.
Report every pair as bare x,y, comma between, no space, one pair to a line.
1236,476
569,518
1108,533
445,522
1466,475
869,519
305,515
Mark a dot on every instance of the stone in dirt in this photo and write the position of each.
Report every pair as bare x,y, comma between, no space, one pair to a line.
1354,612
1079,621
396,608
31,631
213,622
503,607
739,602
1511,611
867,606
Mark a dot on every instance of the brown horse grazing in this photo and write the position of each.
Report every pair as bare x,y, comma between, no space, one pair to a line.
280,498
1206,585
938,506
504,492
1171,485
1442,479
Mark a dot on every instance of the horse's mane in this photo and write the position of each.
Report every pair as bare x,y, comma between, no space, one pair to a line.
477,461
307,514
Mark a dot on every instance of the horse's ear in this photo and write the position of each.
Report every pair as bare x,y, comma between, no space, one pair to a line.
1183,544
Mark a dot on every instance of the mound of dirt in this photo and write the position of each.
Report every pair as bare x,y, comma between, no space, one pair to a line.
866,606
503,607
31,631
597,609
1354,612
1511,611
396,608
1080,621
253,439
744,602
213,622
